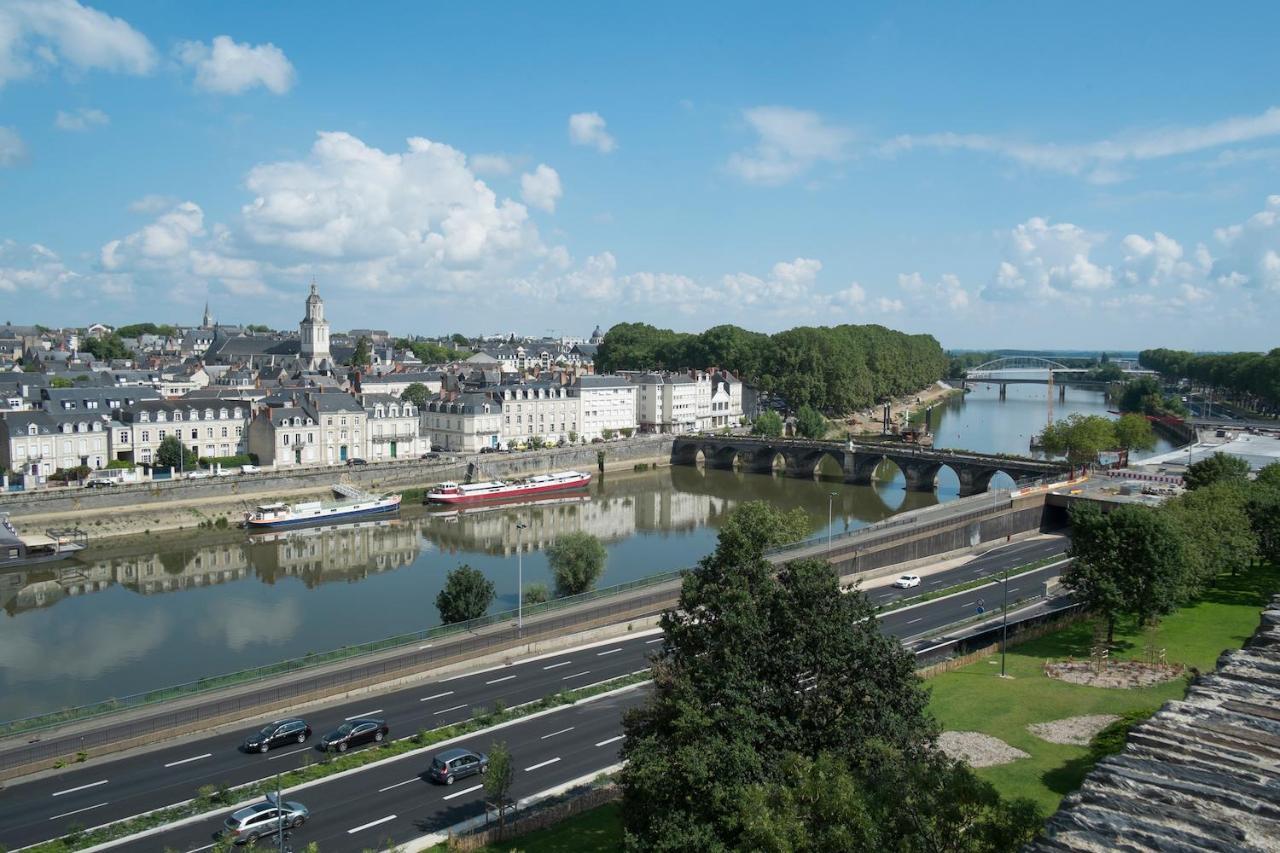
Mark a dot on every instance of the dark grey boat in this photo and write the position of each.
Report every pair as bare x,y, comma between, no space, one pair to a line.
18,549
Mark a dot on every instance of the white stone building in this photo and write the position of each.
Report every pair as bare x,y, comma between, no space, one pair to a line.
40,443
309,428
464,422
605,402
393,427
542,409
209,428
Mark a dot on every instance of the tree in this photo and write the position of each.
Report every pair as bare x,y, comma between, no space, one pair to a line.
1220,467
577,561
768,424
810,423
172,453
536,593
627,432
460,339
1133,432
258,328
1080,438
498,780
106,348
606,433
361,357
759,663
1214,524
1263,507
466,595
1129,561
416,393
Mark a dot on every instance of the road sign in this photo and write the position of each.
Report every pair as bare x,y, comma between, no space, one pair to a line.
981,608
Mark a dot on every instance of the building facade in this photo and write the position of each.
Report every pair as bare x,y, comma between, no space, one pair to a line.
314,334
209,428
464,422
393,429
605,403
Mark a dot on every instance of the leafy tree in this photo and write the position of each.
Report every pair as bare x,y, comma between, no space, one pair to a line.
106,348
426,351
1133,432
1080,438
460,339
1220,467
627,432
606,433
768,424
577,561
137,330
810,423
536,593
466,595
61,382
1131,561
258,328
1214,523
1263,507
361,357
498,780
416,393
1145,396
172,453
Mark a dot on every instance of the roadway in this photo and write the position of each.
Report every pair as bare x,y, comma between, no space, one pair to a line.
98,792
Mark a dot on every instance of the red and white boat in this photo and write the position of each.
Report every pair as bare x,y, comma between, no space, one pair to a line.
494,490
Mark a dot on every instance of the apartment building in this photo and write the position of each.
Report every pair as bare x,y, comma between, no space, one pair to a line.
393,428
209,428
605,402
465,422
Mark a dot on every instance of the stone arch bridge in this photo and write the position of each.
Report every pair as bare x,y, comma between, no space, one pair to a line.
801,458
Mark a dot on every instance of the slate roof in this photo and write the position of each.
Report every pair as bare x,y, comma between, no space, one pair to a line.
1202,774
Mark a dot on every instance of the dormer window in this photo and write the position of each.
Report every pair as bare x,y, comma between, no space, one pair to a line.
144,417
208,414
160,417
236,412
66,428
32,429
177,416
222,413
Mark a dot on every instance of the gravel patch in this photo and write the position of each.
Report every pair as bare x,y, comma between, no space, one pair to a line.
1073,731
1123,675
977,749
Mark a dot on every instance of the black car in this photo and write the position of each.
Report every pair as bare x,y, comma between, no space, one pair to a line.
456,764
431,455
280,732
354,733
356,461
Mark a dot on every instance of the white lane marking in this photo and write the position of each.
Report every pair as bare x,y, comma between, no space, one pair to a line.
610,740
914,621
354,830
198,849
542,764
427,646
609,652
651,642
562,663
365,714
477,672
398,784
498,680
189,760
454,708
553,734
81,788
470,790
576,674
437,696
77,811
287,754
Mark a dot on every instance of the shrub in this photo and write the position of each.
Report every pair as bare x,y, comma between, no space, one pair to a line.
577,561
536,593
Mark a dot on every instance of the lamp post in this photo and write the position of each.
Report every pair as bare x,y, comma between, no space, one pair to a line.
520,526
831,497
1004,620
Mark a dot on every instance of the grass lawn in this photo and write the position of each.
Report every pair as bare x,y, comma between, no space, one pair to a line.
595,831
975,698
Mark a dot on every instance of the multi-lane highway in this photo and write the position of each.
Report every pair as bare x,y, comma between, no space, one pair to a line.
98,792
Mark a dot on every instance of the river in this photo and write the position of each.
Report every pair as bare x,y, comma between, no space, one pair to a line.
137,614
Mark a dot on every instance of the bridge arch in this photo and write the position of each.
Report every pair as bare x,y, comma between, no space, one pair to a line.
1018,362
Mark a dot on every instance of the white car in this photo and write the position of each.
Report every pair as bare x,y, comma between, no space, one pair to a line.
907,581
249,469
199,475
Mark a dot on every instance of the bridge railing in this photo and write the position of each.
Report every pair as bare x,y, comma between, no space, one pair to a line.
924,452
907,525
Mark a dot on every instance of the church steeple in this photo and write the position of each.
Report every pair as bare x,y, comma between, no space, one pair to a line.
314,332
206,322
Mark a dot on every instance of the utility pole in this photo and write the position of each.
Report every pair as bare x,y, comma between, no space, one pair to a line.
520,526
1004,621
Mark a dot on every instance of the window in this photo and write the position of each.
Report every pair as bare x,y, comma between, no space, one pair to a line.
145,437
224,432
208,432
195,432
311,438
32,429
177,416
239,431
124,436
162,435
344,422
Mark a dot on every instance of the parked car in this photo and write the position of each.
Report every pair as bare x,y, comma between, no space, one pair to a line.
433,455
199,475
263,820
249,469
907,581
355,460
457,764
489,449
293,730
99,484
438,448
354,733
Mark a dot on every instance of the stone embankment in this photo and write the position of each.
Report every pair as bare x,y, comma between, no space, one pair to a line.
184,504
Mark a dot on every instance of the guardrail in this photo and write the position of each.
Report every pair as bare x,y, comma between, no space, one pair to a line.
311,661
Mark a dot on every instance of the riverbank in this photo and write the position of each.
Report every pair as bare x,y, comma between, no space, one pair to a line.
214,504
908,408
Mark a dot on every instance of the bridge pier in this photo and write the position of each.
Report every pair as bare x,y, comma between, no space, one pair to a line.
920,476
973,480
860,468
1062,393
1004,388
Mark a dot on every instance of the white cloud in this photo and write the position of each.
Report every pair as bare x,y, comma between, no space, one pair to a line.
31,269
492,164
12,149
788,281
228,67
168,237
1251,250
790,143
1100,160
589,129
854,296
81,120
152,203
37,34
946,294
886,305
541,188
1049,262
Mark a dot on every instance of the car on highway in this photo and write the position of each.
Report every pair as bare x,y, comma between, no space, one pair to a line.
907,581
263,820
353,733
292,730
457,764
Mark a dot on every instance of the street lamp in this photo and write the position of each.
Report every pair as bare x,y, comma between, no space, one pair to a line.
520,525
1004,620
831,497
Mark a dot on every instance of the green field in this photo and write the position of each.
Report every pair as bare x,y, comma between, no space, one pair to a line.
975,698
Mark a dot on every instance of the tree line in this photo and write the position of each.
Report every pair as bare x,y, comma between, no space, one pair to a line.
1250,378
833,369
1144,562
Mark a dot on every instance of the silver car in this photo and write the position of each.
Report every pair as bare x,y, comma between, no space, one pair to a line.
262,820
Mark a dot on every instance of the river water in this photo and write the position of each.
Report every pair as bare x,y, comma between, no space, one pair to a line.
140,614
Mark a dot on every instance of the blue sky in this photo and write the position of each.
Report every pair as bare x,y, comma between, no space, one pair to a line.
1102,175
